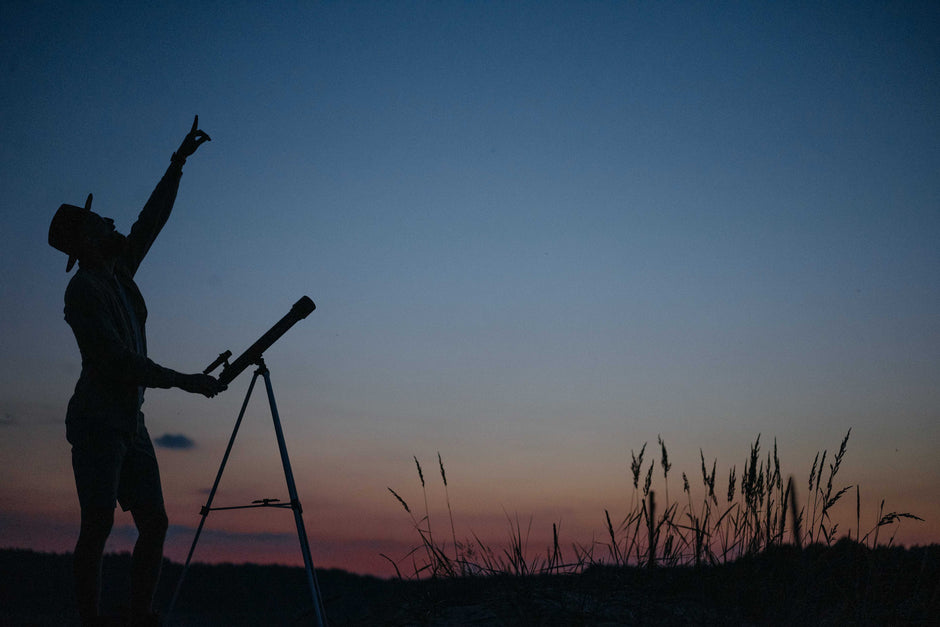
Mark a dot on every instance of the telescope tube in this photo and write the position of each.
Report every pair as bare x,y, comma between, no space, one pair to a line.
298,312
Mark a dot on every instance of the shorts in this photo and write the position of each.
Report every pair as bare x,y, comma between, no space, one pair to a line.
112,467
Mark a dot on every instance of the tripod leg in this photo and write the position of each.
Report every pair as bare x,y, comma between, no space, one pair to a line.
295,504
207,507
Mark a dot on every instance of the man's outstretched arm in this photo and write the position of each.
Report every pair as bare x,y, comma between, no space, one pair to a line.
158,207
103,350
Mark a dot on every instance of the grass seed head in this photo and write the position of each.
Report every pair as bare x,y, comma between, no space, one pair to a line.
649,480
420,474
400,500
665,460
636,465
731,481
440,463
812,471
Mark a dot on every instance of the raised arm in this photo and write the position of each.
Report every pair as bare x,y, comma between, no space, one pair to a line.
158,207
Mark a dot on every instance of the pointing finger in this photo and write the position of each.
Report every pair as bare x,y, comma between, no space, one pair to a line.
195,124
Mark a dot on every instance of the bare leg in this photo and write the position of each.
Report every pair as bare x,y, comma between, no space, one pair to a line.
147,559
86,566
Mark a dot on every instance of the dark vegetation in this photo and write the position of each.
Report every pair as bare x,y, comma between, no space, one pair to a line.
748,555
846,583
36,590
705,525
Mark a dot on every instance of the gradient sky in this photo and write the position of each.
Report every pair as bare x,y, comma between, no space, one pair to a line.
538,235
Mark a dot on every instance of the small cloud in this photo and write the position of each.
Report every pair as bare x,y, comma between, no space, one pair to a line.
174,440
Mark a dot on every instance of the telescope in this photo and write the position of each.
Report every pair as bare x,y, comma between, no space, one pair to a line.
298,312
253,356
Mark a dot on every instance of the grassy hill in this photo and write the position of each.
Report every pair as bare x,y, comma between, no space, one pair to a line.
843,584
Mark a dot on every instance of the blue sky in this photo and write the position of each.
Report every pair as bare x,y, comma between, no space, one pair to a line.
538,235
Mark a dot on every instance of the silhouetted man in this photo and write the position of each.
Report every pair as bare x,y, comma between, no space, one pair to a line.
112,456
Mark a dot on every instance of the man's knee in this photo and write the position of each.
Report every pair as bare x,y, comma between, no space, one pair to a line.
151,523
96,525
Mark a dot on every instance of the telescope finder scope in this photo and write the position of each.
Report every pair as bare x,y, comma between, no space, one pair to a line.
301,309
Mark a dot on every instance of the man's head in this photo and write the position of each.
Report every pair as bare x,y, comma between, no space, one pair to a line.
81,233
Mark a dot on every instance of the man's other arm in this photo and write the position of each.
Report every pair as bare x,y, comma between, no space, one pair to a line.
106,353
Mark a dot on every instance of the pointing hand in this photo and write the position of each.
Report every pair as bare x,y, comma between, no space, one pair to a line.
192,141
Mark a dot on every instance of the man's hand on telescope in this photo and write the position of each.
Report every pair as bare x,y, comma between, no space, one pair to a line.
203,384
192,141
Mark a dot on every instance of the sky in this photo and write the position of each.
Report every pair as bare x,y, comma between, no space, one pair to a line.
539,235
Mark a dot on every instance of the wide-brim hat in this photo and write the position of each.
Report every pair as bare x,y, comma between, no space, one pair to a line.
65,231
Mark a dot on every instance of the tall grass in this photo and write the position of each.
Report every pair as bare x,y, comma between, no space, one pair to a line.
757,510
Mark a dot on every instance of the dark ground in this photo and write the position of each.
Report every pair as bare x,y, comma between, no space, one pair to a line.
843,585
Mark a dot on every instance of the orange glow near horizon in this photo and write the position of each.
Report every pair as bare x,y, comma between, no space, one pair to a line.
355,537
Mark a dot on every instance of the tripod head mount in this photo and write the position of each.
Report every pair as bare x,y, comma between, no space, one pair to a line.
301,309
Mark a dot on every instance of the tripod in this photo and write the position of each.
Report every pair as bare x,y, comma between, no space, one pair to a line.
291,489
